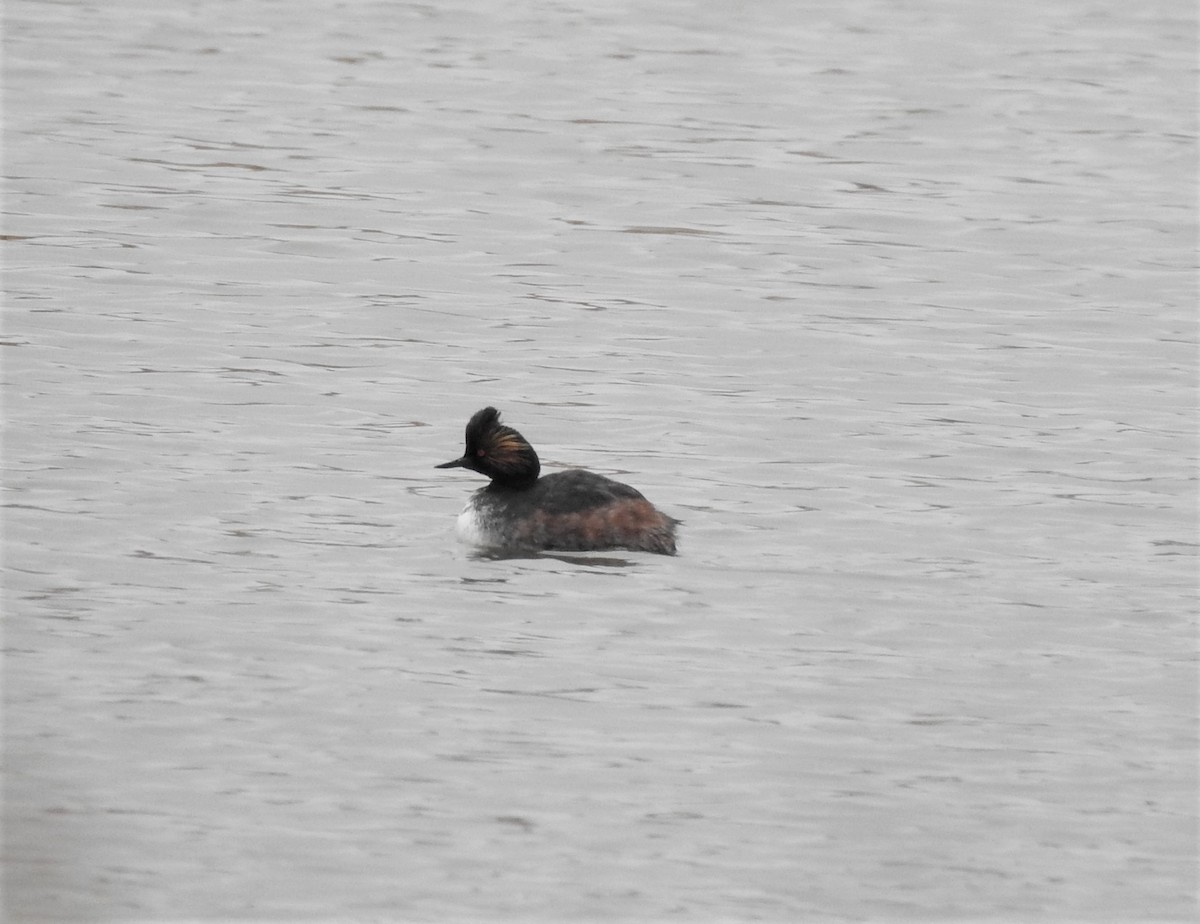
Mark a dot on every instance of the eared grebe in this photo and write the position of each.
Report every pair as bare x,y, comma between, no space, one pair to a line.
571,511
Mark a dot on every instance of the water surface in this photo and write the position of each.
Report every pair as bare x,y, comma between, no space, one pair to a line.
892,304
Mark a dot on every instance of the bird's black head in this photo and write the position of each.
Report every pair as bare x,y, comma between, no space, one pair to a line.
497,451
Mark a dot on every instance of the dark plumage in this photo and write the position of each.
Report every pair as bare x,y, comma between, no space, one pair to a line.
573,510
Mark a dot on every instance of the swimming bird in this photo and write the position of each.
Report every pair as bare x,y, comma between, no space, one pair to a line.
568,511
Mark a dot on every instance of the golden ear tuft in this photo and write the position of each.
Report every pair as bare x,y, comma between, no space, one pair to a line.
508,441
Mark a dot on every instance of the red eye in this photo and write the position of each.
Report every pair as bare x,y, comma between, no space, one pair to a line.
480,453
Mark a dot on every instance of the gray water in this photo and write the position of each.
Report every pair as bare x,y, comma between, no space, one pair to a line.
892,303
